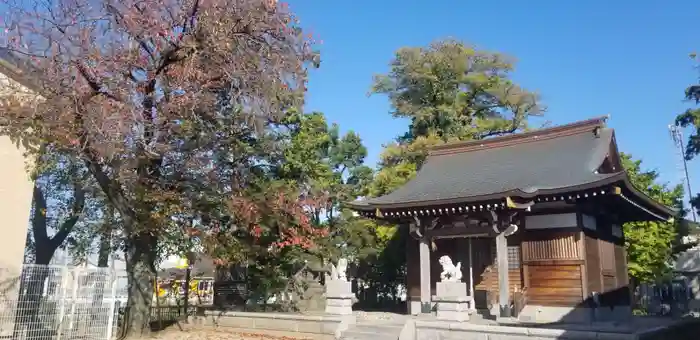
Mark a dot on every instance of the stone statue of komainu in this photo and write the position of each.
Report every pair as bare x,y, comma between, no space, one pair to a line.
689,239
339,272
450,272
692,241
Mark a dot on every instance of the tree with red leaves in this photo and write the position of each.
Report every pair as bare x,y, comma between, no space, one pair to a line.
160,98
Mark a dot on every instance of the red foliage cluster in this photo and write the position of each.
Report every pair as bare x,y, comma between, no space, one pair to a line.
219,262
280,213
193,232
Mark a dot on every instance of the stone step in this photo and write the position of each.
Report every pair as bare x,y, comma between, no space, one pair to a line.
372,331
368,337
377,328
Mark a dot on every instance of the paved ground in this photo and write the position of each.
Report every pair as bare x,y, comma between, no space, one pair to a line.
191,333
185,331
635,323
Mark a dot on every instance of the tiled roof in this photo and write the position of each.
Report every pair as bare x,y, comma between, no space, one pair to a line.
528,167
542,162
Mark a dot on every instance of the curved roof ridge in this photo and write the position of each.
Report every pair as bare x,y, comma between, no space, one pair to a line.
517,138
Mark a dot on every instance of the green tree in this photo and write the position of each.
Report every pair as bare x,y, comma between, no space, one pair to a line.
298,155
650,245
449,91
329,165
690,119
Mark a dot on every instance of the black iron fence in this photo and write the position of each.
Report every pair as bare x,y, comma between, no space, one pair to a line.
160,317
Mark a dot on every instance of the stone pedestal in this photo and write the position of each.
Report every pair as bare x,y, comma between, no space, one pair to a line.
314,296
453,304
339,297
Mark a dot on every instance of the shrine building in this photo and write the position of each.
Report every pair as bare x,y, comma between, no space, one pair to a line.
534,219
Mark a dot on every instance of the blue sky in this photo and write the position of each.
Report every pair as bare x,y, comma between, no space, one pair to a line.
588,58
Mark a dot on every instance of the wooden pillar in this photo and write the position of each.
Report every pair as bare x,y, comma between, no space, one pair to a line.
412,276
424,254
503,284
472,305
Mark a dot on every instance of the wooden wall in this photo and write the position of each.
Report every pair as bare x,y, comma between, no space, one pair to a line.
553,267
593,265
564,266
607,265
606,261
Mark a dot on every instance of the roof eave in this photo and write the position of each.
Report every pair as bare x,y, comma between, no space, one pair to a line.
369,206
644,202
358,206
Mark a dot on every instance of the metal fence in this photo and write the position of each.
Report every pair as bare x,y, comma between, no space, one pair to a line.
61,302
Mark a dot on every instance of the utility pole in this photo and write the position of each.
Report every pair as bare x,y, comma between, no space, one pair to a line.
677,137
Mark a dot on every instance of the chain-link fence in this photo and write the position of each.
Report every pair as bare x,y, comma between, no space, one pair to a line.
61,302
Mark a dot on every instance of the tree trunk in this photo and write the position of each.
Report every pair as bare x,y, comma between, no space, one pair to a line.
105,248
103,275
140,256
141,272
140,245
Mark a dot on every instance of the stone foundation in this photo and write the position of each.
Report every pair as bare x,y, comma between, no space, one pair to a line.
548,314
452,302
339,297
454,309
314,297
314,327
331,327
413,305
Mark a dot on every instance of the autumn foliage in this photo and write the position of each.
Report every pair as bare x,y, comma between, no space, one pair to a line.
124,84
168,104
